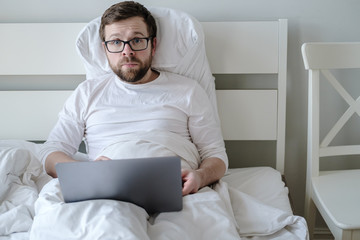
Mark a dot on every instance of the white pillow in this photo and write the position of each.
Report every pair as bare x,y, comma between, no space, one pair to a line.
180,49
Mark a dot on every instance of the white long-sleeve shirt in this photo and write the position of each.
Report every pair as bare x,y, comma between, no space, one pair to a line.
100,110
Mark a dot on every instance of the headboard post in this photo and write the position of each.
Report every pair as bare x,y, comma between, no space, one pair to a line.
280,151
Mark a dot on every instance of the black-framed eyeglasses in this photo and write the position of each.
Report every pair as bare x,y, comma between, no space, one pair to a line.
136,44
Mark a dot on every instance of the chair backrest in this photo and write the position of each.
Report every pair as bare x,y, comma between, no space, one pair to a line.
320,59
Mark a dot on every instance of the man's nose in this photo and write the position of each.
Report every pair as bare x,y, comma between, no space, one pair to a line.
127,50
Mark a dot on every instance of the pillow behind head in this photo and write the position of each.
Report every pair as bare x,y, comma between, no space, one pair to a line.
180,49
89,47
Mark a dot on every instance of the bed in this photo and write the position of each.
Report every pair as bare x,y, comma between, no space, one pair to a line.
255,198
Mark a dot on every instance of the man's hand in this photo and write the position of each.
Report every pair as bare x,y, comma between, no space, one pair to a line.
191,181
57,157
102,158
210,171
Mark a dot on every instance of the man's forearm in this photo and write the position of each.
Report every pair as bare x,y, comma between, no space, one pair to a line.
52,159
210,171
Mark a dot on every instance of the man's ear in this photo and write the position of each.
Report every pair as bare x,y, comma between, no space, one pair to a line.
153,46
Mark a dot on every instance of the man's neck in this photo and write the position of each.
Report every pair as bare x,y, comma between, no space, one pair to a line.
150,76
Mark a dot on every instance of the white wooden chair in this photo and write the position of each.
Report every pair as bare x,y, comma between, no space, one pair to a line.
336,194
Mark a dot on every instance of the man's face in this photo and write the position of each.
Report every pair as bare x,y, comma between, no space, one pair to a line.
130,66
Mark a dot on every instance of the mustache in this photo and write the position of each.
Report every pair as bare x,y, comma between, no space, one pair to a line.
130,60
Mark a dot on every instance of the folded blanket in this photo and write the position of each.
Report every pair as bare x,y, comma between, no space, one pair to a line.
19,171
153,144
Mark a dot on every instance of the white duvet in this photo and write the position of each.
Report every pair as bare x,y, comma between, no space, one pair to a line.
32,207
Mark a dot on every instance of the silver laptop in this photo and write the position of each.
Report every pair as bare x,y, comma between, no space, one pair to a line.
152,183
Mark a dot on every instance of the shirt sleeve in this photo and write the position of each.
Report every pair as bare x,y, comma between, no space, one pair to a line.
204,128
68,131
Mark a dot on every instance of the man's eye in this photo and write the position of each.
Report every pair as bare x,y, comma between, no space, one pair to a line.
116,42
136,40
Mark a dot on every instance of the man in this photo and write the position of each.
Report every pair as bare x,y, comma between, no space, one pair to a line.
137,99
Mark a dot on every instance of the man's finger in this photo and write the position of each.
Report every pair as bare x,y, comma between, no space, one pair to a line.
102,158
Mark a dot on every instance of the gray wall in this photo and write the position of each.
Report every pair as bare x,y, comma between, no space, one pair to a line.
315,20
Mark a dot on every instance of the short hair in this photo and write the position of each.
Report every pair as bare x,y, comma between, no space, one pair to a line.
124,10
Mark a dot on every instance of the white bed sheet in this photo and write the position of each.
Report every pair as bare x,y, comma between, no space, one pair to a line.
255,200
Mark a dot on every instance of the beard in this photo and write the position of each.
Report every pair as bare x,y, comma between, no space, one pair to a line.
132,75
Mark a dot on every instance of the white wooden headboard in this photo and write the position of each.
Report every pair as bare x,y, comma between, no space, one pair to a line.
251,48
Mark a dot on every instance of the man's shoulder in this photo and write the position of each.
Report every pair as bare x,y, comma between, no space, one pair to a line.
179,79
174,75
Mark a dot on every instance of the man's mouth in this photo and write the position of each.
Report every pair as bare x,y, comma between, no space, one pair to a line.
129,64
